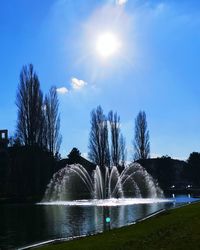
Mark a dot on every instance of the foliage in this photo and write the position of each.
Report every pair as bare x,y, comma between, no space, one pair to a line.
30,169
167,171
194,168
74,155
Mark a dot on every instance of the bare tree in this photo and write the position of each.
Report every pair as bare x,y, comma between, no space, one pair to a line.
123,151
141,141
114,121
29,103
52,121
98,139
118,143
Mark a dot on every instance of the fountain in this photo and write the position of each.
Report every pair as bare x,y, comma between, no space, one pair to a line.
102,183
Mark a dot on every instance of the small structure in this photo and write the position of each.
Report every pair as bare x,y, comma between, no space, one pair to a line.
3,160
3,139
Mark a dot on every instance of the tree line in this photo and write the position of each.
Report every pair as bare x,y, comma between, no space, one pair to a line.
29,164
105,151
38,123
38,118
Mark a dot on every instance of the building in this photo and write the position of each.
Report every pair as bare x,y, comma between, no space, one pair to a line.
4,159
3,139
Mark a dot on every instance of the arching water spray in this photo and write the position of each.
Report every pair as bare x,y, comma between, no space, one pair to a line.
133,181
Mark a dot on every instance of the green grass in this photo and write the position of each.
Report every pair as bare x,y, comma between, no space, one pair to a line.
174,229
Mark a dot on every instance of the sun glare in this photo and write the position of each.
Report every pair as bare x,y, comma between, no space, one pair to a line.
107,44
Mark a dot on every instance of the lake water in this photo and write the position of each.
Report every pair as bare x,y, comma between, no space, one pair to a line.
24,224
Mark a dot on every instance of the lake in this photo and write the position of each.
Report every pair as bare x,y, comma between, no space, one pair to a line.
26,224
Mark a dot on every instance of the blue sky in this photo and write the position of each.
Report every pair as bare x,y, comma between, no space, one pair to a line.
157,68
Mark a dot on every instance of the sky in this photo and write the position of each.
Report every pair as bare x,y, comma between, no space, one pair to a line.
155,68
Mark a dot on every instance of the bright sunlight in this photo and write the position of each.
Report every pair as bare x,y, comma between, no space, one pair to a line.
107,44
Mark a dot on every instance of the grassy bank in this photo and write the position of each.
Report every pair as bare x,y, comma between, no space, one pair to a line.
174,229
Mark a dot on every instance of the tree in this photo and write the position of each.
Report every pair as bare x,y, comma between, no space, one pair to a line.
52,121
74,155
194,168
14,141
117,140
29,103
98,138
123,151
141,141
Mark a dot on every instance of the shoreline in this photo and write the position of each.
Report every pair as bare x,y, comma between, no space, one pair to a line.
167,223
70,239
62,240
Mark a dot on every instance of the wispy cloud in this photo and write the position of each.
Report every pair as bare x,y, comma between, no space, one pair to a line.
77,83
62,90
121,2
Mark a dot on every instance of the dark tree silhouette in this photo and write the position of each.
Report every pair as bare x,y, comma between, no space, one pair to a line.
74,153
194,168
52,121
141,141
98,138
29,103
117,140
123,150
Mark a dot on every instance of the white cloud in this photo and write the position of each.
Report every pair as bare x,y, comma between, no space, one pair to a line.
121,2
77,84
62,90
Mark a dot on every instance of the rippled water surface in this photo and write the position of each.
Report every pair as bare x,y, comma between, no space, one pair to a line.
22,225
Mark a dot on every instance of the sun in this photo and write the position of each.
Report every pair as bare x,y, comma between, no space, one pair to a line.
107,44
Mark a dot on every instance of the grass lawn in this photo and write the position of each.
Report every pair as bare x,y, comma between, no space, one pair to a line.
175,229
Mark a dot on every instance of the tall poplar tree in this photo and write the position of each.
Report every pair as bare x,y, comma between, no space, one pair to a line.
141,140
98,138
29,101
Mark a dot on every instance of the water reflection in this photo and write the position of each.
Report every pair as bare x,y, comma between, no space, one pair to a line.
27,224
80,220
